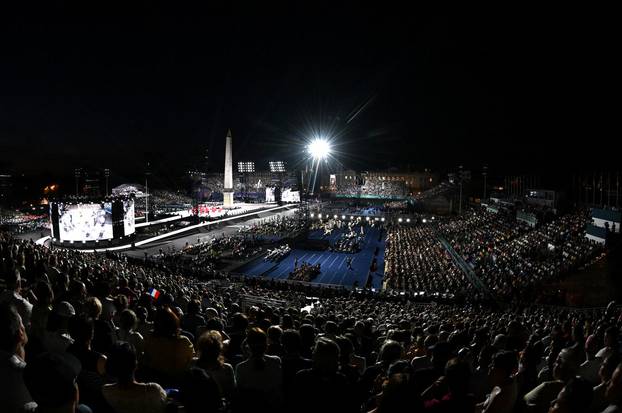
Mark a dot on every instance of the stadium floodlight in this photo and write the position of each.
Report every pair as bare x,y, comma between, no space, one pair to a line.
382,219
407,219
277,166
376,219
319,148
311,215
351,217
343,217
246,167
319,216
399,220
335,216
366,218
424,220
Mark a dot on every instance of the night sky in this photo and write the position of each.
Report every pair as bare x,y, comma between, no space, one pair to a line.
520,92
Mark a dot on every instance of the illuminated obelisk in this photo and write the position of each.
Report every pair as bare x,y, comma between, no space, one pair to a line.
228,189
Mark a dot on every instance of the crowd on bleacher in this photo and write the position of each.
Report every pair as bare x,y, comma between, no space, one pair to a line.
383,188
21,223
511,257
278,225
97,333
416,261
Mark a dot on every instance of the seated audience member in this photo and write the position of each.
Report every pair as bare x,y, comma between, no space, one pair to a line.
12,296
126,331
259,378
199,393
210,359
104,336
51,379
324,379
167,353
575,397
13,392
504,393
128,395
565,368
57,337
613,394
92,374
608,366
456,398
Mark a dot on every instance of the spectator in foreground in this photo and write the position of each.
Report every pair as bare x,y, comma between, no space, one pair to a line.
13,392
128,395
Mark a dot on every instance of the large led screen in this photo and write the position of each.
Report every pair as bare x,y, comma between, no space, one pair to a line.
85,222
128,217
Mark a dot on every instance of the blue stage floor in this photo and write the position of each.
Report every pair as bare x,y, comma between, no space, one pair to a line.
333,265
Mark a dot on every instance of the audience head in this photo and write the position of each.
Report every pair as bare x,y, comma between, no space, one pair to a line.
122,362
13,336
326,356
166,323
575,397
51,381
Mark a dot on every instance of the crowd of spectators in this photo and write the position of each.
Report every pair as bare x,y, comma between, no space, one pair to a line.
19,222
383,188
415,260
91,332
538,256
277,226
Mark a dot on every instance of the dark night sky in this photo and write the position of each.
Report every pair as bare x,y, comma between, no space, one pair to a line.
517,92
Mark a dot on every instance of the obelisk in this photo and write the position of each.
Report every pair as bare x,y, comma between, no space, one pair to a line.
228,189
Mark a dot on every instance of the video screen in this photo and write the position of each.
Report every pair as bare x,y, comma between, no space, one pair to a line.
85,222
128,217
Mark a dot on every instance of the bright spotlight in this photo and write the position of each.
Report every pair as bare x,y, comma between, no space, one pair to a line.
312,214
399,219
351,217
319,148
366,218
343,217
424,220
319,215
407,219
382,219
335,216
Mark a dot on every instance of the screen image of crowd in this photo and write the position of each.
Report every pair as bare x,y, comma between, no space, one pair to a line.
85,222
372,187
112,334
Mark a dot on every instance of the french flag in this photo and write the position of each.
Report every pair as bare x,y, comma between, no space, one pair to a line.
154,293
